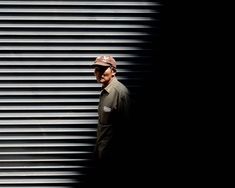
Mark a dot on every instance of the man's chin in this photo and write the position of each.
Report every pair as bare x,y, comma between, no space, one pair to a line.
101,81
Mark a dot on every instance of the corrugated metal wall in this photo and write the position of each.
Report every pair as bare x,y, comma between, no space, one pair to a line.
48,93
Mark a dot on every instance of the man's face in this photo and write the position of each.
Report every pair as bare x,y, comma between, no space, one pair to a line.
104,74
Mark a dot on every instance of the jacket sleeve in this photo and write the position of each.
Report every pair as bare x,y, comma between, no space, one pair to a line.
125,108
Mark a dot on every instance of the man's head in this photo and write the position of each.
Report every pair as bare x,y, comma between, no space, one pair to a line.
105,61
104,69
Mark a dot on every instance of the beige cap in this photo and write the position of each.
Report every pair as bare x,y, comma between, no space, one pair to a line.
105,61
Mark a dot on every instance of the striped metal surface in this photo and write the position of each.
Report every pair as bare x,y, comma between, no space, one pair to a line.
48,93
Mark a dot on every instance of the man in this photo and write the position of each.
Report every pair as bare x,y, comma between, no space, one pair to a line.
113,112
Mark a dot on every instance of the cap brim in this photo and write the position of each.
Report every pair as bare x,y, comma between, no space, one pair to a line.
100,64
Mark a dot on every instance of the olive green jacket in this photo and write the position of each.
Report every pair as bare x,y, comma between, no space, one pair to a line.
114,112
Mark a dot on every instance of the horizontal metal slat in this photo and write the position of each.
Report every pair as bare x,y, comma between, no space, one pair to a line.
74,26
45,161
45,137
73,33
75,18
45,130
38,100
32,186
38,93
33,162
55,70
80,3
52,107
41,167
91,11
52,151
72,41
38,174
45,85
57,64
65,48
41,145
54,78
49,122
44,153
36,181
64,55
48,115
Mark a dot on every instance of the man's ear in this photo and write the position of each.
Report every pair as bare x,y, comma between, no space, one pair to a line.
114,71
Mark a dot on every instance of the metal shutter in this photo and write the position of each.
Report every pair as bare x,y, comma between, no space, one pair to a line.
48,93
